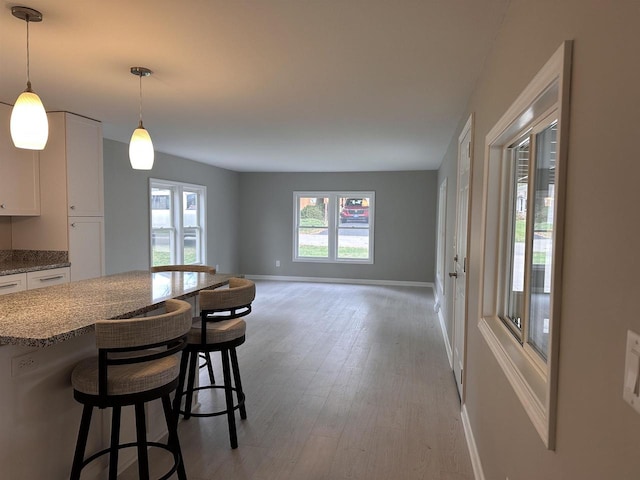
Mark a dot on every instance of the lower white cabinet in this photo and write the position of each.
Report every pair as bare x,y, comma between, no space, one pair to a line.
86,247
13,283
47,278
18,282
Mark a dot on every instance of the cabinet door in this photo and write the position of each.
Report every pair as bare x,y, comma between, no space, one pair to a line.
86,247
13,283
84,166
20,177
47,278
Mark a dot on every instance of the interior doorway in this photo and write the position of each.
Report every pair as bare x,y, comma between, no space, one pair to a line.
459,273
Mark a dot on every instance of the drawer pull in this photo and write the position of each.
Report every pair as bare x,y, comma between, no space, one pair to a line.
55,277
7,285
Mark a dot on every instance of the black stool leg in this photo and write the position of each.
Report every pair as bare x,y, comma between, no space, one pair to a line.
238,382
228,393
173,441
115,441
184,361
193,367
141,434
81,444
209,363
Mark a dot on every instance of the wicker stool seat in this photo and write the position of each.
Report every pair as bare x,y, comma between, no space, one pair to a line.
219,328
217,332
138,361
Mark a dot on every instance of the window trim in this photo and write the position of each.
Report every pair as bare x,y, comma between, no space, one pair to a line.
177,217
535,387
332,227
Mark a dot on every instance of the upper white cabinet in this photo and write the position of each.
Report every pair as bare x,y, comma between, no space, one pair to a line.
19,173
83,137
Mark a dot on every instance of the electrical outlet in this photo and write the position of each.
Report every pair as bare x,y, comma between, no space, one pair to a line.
277,263
217,267
24,364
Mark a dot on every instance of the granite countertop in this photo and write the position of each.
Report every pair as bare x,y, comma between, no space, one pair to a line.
49,315
23,261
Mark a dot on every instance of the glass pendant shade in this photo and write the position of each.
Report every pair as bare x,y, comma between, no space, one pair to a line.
29,123
141,149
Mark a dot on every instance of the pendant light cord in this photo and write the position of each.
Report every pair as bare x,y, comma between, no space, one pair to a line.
28,76
140,121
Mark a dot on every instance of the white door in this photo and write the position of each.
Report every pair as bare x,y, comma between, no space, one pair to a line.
459,273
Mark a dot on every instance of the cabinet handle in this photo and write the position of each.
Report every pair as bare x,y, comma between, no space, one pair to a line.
73,224
72,207
3,206
7,285
55,277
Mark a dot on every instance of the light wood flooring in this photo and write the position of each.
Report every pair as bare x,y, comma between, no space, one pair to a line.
342,382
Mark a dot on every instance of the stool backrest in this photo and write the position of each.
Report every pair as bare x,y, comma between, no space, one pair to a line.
141,339
232,302
183,268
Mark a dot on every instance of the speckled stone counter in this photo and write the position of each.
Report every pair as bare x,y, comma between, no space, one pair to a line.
23,261
50,315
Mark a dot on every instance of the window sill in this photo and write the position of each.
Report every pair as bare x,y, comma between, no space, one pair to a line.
522,373
333,261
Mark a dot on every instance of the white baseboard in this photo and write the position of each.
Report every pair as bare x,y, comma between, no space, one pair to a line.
443,326
478,473
445,337
357,281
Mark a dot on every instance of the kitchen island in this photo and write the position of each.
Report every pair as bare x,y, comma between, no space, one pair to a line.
45,333
46,316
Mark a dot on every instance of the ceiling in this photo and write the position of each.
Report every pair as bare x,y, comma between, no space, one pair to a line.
262,85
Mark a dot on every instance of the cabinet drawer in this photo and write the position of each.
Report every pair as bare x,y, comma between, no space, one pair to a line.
47,278
13,283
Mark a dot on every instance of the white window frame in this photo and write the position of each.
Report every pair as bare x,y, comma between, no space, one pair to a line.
177,228
534,381
333,225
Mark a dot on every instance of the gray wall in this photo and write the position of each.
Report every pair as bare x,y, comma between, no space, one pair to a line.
597,433
126,193
405,222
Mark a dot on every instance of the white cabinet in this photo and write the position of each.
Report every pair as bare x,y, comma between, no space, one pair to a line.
13,283
86,240
47,278
85,193
20,176
72,192
19,282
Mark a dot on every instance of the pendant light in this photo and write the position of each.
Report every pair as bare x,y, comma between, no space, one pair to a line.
29,124
140,147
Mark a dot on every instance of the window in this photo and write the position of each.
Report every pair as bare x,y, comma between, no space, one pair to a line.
177,216
529,226
333,227
522,260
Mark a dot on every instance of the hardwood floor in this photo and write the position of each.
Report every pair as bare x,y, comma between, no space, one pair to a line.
342,382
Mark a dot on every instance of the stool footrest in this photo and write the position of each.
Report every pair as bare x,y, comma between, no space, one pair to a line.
219,412
176,458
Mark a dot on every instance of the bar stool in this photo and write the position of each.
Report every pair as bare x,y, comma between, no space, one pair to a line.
191,268
138,361
218,329
183,268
